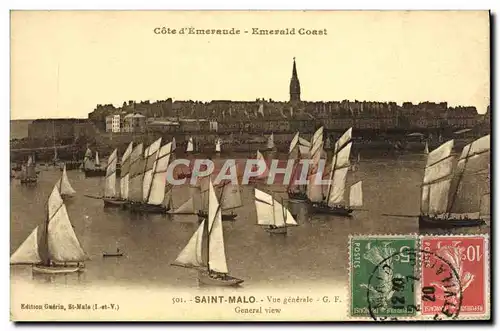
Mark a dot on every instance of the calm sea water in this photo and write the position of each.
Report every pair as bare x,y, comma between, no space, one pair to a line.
316,251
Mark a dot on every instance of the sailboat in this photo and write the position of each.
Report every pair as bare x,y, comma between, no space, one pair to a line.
229,201
270,147
426,149
65,188
111,198
52,247
198,202
189,149
155,198
218,145
261,163
93,169
272,214
28,172
212,268
135,174
299,192
449,198
333,201
190,145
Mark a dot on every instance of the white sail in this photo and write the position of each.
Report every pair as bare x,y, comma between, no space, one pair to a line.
110,180
218,146
64,186
191,256
190,145
136,171
231,197
344,139
337,190
270,141
436,182
63,245
174,145
470,180
97,162
158,185
264,208
317,136
426,149
304,151
216,253
27,253
125,172
150,155
315,191
304,142
356,195
282,215
294,143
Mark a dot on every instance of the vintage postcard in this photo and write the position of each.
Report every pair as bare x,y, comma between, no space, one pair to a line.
250,166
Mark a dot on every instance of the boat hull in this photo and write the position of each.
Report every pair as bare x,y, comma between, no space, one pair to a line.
205,278
279,230
112,254
137,207
429,222
40,269
297,196
114,202
225,217
325,209
95,172
28,181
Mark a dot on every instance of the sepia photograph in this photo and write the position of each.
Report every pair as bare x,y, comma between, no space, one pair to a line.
250,165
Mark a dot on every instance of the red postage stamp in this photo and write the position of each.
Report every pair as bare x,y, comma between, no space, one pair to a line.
454,276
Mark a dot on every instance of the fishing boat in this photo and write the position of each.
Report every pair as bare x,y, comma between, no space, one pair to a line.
331,200
229,201
272,214
93,169
53,247
270,147
198,202
211,266
155,196
450,198
28,174
218,145
297,193
65,188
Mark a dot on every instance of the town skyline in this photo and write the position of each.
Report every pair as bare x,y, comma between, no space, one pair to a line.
99,58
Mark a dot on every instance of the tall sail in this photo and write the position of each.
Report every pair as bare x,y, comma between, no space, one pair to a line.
343,140
191,255
231,197
356,195
216,252
97,161
270,211
150,155
218,146
270,141
156,194
315,191
304,142
110,181
294,144
340,166
136,171
174,145
125,172
470,179
63,245
264,208
64,186
426,149
436,182
87,160
190,145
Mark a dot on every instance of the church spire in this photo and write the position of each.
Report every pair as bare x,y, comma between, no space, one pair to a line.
294,84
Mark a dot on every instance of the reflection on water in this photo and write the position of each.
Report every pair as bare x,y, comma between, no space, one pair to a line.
315,251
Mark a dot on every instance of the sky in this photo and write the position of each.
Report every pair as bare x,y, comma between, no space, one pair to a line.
64,63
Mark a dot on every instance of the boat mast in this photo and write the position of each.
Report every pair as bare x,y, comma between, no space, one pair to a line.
283,212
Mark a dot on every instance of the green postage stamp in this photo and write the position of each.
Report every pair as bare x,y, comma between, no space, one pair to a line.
383,276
